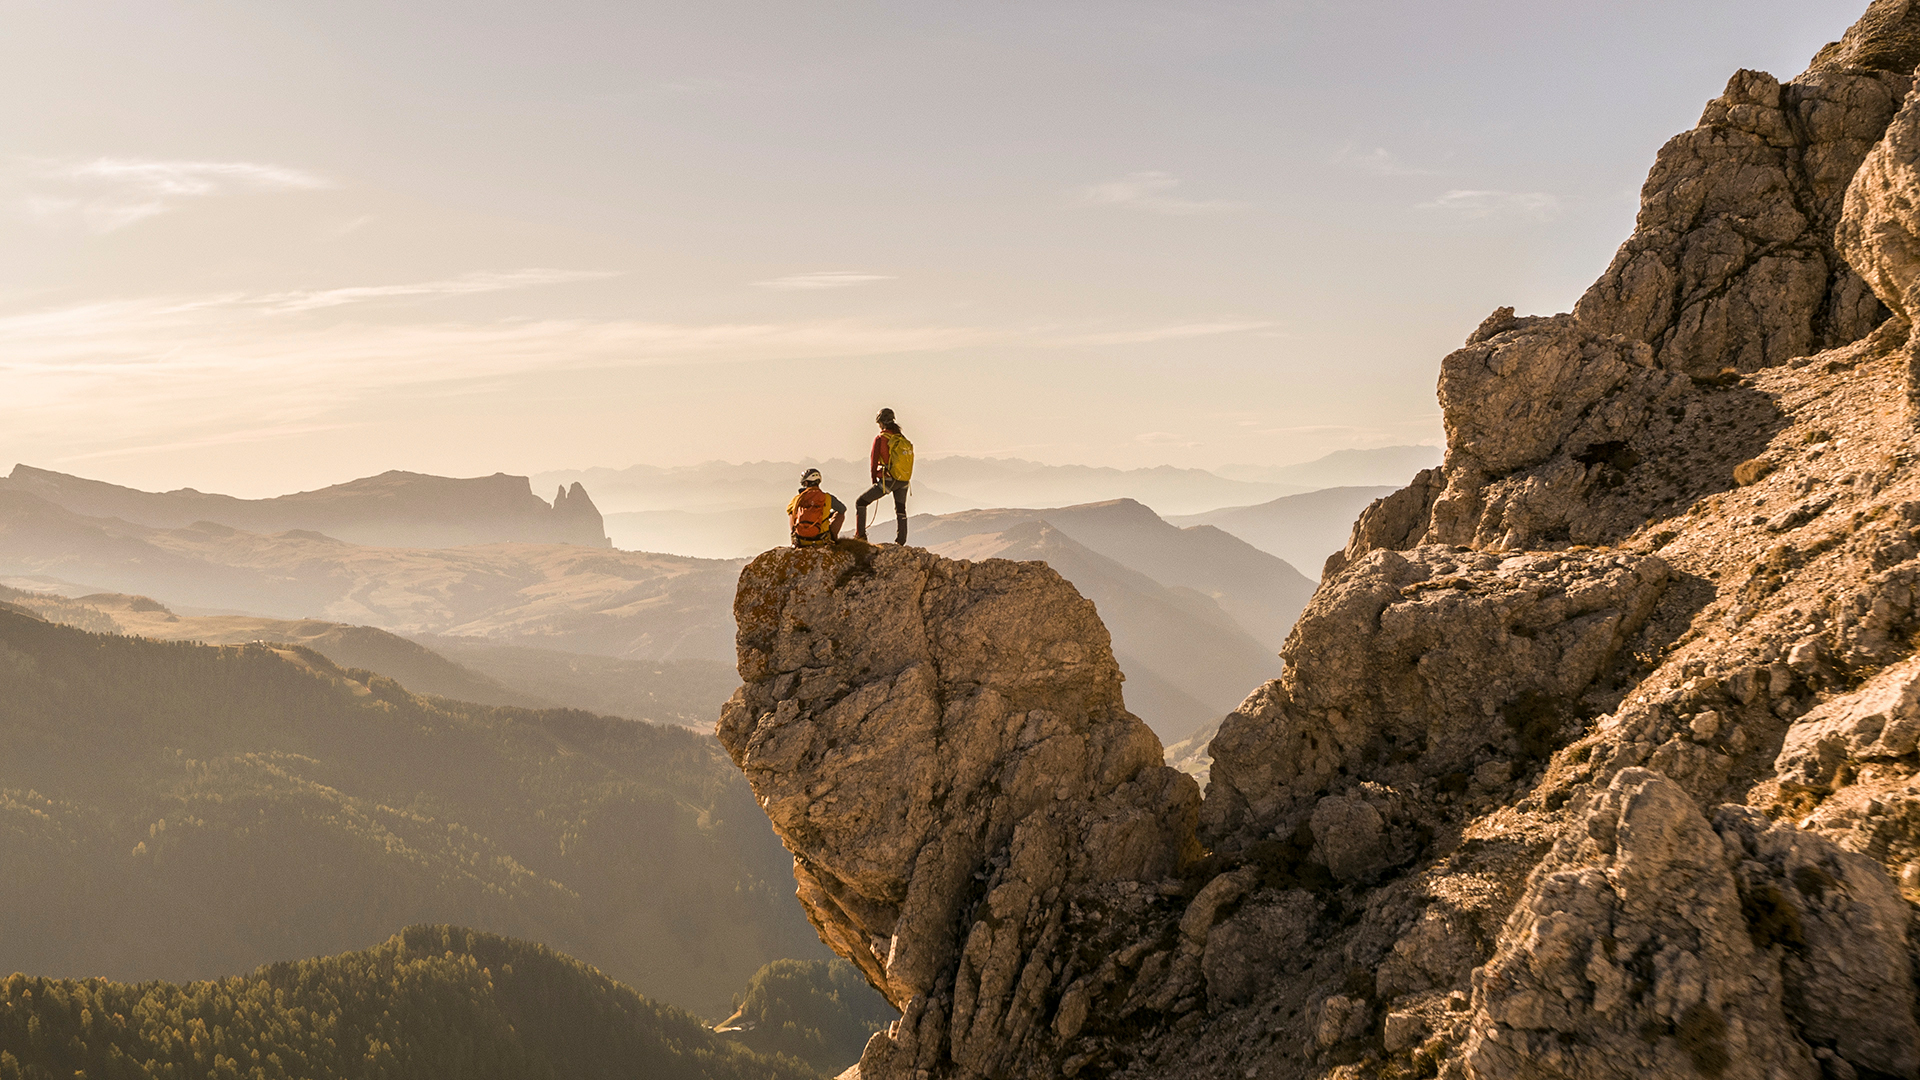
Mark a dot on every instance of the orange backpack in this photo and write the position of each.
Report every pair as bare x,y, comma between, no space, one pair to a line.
812,510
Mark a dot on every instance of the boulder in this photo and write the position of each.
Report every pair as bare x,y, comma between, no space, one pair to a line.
1878,722
1408,672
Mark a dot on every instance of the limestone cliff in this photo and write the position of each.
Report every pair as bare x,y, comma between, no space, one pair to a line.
943,747
1596,751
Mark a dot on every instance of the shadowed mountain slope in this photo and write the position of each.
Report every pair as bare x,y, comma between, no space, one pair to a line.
1261,593
171,810
683,692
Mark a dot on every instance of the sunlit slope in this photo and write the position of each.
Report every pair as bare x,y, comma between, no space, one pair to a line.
182,811
432,1001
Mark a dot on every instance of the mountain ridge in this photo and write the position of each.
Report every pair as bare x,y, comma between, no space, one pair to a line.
393,509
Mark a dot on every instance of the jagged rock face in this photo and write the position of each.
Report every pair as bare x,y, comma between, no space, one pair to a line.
1560,436
1413,670
1598,750
944,748
1652,943
1732,262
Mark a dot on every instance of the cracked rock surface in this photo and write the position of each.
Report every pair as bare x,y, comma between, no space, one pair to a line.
944,748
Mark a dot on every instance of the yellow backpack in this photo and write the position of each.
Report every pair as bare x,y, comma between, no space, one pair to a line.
899,458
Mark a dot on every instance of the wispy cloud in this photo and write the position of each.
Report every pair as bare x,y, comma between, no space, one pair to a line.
107,193
1533,206
466,284
1152,191
823,279
1378,161
201,370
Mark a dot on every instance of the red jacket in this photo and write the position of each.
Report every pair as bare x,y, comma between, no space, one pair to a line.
877,461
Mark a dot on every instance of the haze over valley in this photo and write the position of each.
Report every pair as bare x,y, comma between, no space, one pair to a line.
469,569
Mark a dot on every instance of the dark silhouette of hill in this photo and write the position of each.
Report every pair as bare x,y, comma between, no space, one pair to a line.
1165,638
415,666
1302,529
174,810
394,509
430,1001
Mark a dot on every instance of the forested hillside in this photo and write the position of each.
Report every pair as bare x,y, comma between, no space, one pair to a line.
821,1011
432,1001
179,811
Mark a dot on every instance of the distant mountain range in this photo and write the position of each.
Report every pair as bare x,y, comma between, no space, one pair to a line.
560,596
726,510
394,509
1197,612
1389,466
1197,616
1302,529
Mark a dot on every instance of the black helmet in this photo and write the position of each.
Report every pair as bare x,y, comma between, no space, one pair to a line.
810,478
885,417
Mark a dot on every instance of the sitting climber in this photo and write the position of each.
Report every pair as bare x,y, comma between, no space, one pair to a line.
891,465
814,517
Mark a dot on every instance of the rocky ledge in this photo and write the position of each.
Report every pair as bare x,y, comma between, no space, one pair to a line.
1597,753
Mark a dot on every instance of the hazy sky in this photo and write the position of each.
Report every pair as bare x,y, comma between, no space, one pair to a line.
262,246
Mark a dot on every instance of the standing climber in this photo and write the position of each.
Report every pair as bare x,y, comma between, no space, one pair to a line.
814,517
891,466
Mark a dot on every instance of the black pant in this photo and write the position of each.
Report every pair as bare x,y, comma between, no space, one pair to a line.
873,493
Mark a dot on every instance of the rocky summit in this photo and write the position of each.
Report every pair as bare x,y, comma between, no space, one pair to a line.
1596,753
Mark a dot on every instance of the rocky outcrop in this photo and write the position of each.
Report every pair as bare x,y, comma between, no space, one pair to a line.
1597,752
944,748
1411,672
1732,262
